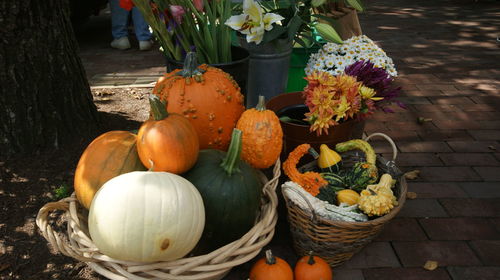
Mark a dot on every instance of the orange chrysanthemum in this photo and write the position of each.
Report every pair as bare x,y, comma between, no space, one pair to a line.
331,99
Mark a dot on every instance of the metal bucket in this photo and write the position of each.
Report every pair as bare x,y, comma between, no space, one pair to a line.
268,69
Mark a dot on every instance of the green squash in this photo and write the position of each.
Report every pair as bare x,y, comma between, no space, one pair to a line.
335,184
361,175
231,192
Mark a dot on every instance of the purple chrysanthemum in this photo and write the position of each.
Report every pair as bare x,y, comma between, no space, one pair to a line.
377,79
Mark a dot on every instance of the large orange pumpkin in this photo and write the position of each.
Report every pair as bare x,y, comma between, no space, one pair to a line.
207,96
271,267
312,268
262,138
109,155
167,142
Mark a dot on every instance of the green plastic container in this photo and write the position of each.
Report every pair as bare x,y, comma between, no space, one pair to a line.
296,74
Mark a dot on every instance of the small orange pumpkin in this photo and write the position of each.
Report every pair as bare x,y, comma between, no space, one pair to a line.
262,138
271,267
312,268
168,142
109,155
207,96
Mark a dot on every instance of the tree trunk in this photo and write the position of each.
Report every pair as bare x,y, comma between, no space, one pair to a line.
45,98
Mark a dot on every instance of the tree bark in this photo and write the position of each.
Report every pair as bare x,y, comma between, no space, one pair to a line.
45,98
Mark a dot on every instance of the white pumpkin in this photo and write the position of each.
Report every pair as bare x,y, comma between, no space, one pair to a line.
146,216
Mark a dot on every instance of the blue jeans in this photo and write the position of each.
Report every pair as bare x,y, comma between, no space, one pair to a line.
119,22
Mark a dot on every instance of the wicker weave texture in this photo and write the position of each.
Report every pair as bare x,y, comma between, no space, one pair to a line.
335,241
76,243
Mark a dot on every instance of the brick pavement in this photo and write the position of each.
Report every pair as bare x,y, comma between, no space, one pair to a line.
448,59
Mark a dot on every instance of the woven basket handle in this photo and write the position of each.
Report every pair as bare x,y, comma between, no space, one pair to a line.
314,218
393,145
42,221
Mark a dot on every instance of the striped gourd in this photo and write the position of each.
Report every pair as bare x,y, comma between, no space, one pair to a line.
335,184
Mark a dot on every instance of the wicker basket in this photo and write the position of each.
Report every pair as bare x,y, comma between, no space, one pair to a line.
338,241
76,243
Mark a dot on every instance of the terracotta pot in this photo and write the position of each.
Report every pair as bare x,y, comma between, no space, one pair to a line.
296,134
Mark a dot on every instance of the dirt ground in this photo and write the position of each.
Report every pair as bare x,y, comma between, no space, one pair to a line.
27,183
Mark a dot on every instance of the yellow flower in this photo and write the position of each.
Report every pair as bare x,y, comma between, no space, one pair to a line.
369,93
341,108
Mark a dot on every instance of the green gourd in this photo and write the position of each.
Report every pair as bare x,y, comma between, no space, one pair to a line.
328,160
335,183
362,173
231,192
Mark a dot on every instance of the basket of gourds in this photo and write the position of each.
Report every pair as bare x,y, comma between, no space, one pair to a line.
183,199
340,202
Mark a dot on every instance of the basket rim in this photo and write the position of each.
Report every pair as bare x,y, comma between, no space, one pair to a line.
213,265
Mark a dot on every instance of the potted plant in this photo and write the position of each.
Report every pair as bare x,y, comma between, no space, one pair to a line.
268,30
342,15
332,108
183,26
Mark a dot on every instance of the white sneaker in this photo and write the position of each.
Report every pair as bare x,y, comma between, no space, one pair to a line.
121,43
145,45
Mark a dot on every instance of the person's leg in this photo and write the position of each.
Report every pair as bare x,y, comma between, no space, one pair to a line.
119,25
141,28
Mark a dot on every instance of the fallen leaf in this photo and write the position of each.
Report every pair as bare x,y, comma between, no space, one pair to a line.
431,265
412,175
422,120
411,195
492,148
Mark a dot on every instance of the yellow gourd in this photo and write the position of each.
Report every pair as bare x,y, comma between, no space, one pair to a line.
328,160
347,196
378,200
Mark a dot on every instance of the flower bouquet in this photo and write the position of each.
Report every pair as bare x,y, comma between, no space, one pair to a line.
182,26
334,58
357,93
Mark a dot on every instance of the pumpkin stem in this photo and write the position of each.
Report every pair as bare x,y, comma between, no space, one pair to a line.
158,107
313,153
261,106
311,258
231,162
190,68
270,259
152,165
